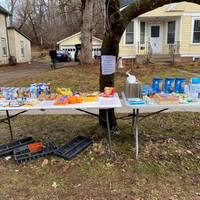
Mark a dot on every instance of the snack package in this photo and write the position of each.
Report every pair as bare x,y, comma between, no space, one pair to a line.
91,97
157,85
179,85
109,92
75,99
169,85
61,101
38,89
31,102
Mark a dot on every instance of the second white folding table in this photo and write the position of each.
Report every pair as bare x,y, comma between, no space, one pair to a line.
152,110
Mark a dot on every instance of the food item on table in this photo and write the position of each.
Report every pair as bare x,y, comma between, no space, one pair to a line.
31,102
51,96
4,103
10,93
166,99
16,103
75,99
136,101
38,89
179,85
23,92
157,85
64,91
48,97
90,97
64,100
169,85
109,92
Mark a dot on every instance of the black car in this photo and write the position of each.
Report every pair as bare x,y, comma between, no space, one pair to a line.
63,56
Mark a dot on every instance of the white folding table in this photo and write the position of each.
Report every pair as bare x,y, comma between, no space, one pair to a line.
105,103
152,110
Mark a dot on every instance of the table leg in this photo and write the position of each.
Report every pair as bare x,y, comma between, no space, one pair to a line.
109,133
137,132
9,123
133,123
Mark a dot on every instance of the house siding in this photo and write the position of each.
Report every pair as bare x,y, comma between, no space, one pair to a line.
187,48
3,34
15,40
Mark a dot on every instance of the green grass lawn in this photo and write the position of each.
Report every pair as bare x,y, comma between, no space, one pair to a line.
168,167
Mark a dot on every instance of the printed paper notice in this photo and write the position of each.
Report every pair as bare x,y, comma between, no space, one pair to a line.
108,64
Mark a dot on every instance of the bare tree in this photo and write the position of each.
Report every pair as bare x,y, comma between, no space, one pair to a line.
86,31
12,6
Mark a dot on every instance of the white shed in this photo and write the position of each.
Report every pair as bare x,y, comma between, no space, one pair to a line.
20,45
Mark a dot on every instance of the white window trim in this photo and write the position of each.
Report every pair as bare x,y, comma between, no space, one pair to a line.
4,55
167,31
192,30
22,42
145,31
134,38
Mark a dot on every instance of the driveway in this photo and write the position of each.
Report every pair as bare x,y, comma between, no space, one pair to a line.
11,73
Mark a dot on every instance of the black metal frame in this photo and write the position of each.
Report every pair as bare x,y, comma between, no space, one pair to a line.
8,118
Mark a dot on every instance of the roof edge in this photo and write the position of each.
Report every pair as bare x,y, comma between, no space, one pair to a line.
4,11
76,35
21,33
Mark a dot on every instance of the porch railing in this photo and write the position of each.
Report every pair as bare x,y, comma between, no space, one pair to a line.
145,49
174,50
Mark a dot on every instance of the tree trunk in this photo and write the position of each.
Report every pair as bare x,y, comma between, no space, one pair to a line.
86,32
110,46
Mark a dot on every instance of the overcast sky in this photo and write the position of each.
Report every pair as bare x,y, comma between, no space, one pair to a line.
4,3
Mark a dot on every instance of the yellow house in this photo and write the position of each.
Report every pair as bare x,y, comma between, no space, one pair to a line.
173,29
69,43
14,45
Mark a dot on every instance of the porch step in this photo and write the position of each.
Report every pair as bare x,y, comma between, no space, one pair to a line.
161,58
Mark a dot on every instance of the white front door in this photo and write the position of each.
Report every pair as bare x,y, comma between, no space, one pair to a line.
155,39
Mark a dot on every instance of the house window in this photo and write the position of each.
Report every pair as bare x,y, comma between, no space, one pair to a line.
130,33
155,31
4,48
171,32
142,32
196,31
22,48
